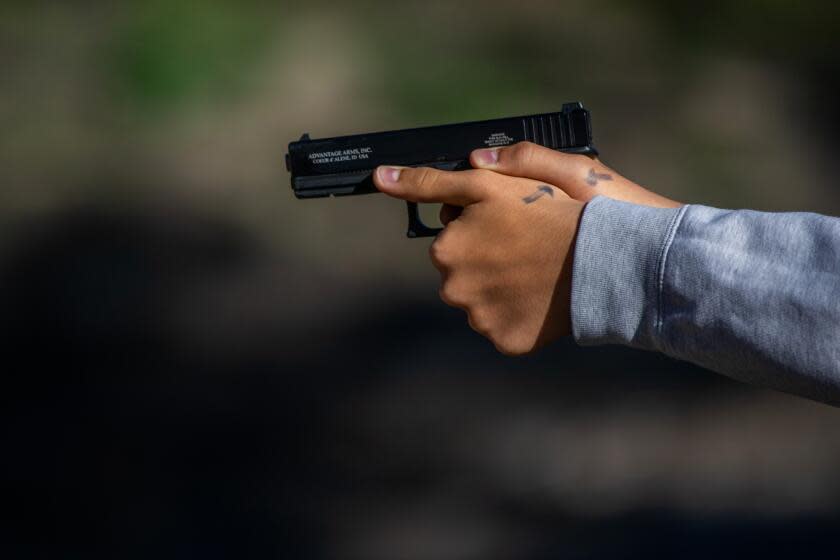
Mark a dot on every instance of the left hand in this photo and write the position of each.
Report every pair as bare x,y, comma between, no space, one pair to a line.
506,258
580,176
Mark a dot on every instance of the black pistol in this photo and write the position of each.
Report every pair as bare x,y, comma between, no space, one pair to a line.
343,165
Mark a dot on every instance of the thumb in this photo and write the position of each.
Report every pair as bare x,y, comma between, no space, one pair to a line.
426,184
526,159
574,174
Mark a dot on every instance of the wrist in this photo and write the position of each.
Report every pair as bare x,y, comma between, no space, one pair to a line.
619,258
568,220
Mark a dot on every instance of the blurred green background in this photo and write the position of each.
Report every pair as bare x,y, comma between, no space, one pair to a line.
232,372
728,104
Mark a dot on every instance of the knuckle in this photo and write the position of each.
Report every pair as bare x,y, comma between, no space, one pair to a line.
448,247
524,153
480,322
425,177
439,254
449,295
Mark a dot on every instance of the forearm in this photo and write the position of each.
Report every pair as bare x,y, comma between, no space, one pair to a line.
753,295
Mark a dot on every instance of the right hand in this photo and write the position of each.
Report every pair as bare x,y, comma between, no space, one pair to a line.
506,258
579,176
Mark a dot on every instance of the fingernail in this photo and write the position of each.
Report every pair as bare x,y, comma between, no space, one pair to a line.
389,175
487,157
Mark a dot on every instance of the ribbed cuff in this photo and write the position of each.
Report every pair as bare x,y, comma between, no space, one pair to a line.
618,272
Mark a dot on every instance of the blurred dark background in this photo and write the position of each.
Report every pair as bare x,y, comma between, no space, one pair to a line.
196,365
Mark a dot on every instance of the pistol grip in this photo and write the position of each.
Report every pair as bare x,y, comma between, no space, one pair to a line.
416,227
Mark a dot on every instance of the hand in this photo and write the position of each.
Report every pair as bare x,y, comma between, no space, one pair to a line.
578,176
506,258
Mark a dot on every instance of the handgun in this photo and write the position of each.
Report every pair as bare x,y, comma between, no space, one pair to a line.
343,165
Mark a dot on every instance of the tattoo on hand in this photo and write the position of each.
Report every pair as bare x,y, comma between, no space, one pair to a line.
541,190
593,178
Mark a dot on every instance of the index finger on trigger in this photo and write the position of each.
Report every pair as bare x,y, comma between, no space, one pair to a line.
428,185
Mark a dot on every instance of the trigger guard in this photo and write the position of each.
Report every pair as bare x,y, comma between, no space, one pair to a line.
416,227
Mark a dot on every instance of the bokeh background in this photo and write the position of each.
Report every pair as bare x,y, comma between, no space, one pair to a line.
197,365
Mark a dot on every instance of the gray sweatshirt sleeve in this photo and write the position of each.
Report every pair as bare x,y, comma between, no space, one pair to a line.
752,295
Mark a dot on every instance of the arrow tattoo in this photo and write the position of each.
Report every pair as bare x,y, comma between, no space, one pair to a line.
539,193
593,178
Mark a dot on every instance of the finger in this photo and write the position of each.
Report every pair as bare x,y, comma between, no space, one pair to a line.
449,213
526,159
426,184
